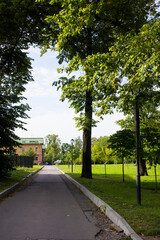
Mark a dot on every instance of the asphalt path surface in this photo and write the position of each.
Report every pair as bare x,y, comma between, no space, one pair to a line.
46,208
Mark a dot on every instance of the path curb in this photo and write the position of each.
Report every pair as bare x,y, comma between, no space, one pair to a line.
6,192
106,209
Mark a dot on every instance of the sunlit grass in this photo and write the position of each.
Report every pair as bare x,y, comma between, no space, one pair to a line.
122,197
15,176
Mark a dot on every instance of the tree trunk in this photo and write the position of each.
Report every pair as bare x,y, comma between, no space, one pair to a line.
86,169
137,131
123,167
87,165
105,167
142,167
156,184
142,163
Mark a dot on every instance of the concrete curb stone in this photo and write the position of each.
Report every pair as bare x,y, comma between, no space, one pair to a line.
6,192
108,211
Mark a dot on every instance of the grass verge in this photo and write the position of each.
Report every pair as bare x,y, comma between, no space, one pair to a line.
16,176
122,197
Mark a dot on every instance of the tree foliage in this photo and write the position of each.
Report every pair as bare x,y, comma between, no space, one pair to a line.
52,149
69,150
21,25
123,145
122,142
30,153
85,30
100,151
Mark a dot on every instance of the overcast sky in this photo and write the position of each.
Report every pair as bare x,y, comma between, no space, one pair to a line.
48,115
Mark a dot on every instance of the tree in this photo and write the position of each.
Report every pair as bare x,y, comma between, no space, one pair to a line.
11,110
99,150
63,152
53,148
134,68
151,136
122,144
143,77
30,153
21,25
77,149
85,29
67,150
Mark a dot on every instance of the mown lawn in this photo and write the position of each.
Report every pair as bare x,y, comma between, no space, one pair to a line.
15,176
122,197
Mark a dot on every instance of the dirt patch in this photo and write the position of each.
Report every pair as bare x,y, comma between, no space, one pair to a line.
109,231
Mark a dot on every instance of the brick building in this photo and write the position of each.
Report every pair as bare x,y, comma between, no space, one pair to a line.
36,144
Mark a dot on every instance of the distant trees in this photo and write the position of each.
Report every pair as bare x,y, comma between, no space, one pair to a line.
52,149
119,148
67,150
64,152
100,151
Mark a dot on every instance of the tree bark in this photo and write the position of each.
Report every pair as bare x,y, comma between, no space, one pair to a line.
142,166
87,167
87,164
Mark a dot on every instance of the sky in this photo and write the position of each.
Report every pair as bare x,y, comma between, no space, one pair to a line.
48,115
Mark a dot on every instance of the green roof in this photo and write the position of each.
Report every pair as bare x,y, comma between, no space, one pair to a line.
31,141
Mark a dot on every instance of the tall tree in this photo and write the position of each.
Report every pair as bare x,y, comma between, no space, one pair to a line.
87,28
21,25
134,62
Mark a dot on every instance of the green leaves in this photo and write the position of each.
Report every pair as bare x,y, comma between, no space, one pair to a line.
53,148
122,143
21,24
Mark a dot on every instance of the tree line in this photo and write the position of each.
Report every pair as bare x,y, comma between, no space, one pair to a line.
117,148
115,44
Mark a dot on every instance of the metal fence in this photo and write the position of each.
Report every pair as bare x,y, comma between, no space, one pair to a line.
22,161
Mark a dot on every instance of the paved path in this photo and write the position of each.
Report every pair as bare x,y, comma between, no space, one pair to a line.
45,209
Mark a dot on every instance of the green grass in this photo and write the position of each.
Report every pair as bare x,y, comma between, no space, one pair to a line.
122,197
16,176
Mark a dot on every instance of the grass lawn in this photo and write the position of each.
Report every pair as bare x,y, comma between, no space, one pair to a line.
16,176
122,197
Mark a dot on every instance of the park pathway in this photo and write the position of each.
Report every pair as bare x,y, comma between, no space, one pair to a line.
45,209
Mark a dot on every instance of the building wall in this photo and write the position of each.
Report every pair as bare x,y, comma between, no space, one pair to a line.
37,148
